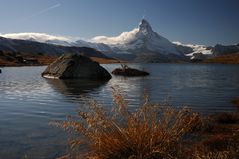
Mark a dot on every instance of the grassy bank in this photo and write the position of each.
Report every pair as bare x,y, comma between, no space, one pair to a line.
224,59
13,59
41,60
25,59
153,131
235,101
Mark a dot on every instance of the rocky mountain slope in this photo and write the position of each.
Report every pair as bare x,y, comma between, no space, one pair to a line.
33,47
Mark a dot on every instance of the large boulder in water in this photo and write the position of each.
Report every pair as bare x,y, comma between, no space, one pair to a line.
75,66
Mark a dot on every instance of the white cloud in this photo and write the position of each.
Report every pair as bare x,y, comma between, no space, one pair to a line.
41,37
122,38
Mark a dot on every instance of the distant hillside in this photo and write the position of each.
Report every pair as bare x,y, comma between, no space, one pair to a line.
24,53
37,48
225,49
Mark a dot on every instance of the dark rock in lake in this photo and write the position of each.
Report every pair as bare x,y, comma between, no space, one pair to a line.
75,66
0,71
127,71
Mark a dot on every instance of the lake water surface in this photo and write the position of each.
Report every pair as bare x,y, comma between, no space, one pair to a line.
28,102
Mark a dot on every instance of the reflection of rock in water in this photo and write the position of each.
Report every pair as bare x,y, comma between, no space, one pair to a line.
74,87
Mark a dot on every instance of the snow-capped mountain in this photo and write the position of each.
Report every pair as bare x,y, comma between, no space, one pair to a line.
35,48
141,44
56,40
195,51
222,50
140,40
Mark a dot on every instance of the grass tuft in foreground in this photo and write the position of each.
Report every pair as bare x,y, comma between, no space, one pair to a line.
152,131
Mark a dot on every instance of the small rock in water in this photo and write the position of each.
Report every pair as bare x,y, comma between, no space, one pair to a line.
75,66
127,71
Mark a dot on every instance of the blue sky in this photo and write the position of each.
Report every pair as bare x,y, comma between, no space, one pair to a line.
188,21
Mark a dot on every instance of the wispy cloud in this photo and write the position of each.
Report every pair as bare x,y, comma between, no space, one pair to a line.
122,38
43,11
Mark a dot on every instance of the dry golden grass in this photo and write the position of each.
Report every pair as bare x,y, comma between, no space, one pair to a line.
225,59
6,63
104,60
40,60
221,141
45,59
218,147
236,102
26,59
152,131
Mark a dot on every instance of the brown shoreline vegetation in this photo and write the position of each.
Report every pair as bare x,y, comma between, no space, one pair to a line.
8,59
224,59
235,101
25,59
153,131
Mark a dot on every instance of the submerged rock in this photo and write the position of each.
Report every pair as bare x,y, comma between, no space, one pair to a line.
127,71
75,66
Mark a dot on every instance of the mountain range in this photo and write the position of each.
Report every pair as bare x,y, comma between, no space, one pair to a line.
34,47
142,44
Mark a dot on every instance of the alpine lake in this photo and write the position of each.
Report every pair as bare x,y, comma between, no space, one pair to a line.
29,102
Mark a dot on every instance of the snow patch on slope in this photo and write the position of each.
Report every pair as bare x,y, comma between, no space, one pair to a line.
196,48
199,49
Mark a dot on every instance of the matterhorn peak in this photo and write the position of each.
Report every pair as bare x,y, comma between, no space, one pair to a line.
145,27
138,41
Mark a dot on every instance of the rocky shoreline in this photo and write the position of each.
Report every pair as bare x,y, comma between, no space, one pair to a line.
17,60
